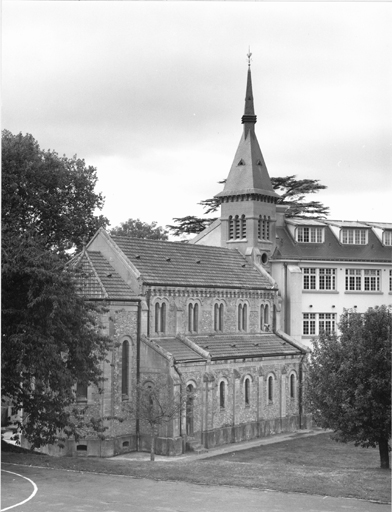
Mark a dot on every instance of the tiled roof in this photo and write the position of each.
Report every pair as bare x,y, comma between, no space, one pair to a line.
331,249
99,280
179,264
178,349
227,346
112,282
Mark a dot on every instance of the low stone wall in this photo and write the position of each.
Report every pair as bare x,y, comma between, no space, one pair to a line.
254,430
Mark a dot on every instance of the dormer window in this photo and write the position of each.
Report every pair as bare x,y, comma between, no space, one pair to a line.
312,235
354,236
387,237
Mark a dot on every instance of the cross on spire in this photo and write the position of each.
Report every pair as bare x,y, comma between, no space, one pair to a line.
249,55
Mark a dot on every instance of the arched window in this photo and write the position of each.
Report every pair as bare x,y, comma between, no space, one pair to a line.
237,232
125,369
292,385
270,389
81,392
247,391
259,227
245,317
160,317
221,308
218,317
268,228
242,317
243,226
222,394
157,309
231,228
262,317
193,317
163,317
266,317
189,409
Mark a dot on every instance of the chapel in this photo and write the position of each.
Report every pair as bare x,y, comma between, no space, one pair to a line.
204,316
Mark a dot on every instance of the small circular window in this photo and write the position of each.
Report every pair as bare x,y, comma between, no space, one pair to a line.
264,258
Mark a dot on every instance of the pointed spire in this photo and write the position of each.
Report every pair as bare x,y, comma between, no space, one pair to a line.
249,112
248,173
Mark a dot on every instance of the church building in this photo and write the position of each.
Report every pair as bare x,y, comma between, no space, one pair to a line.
224,316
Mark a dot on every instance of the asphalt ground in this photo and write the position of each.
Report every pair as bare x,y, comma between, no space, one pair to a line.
66,491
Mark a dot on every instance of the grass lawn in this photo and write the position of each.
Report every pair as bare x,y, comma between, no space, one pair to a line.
313,465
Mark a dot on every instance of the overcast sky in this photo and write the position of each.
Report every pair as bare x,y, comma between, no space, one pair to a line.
152,94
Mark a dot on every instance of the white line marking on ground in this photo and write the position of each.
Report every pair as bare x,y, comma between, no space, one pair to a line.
26,500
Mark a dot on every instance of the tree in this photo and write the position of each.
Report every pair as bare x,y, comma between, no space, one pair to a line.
349,380
155,403
51,337
47,195
292,194
138,229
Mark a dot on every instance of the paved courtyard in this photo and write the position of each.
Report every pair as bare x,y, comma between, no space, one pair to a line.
66,491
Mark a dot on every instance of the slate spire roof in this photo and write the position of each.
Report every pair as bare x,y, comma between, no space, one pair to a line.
248,173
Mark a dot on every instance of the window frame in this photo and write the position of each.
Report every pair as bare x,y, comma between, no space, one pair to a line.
321,279
313,324
354,236
125,352
310,234
366,280
160,316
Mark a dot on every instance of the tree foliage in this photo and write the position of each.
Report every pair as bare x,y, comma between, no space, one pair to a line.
51,336
292,193
46,195
138,229
349,380
155,403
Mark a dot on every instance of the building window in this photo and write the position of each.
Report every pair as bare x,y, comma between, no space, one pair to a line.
354,236
319,279
125,369
193,317
390,280
247,391
160,317
270,386
292,386
218,317
318,323
222,394
362,280
242,317
310,235
263,227
264,317
387,237
237,227
81,392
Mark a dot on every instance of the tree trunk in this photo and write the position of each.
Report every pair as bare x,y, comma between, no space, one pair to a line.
384,452
152,453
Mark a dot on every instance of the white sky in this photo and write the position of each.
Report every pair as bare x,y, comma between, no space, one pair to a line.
152,94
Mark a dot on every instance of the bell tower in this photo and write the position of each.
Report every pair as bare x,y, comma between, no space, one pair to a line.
248,201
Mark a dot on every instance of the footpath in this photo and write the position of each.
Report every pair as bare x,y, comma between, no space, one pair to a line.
228,448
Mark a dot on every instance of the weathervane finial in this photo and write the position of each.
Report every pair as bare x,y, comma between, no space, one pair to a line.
249,55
